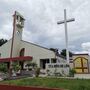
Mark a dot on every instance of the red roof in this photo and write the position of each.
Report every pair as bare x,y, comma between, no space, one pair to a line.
22,58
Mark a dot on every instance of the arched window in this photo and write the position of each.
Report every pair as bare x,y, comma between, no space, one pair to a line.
22,51
81,65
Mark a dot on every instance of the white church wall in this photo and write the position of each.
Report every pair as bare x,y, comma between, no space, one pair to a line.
16,46
5,49
36,52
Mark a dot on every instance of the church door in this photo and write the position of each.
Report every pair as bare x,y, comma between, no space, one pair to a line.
81,65
22,51
43,63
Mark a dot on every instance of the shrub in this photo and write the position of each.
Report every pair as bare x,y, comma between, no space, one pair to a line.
82,87
16,67
72,72
33,65
37,72
3,67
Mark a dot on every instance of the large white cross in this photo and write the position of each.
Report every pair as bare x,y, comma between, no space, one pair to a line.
65,21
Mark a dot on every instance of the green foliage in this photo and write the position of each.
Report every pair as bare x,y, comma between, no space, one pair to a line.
3,67
2,41
37,72
63,52
16,66
82,87
72,72
55,50
32,64
63,84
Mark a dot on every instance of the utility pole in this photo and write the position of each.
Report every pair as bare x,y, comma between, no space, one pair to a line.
12,42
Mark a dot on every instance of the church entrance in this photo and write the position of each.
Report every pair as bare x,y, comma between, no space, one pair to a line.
22,51
43,63
81,65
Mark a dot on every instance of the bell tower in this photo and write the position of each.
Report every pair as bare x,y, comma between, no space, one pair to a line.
19,24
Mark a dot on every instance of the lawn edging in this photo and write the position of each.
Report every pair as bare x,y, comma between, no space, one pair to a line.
13,87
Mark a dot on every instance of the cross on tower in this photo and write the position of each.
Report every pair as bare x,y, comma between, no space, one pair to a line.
65,21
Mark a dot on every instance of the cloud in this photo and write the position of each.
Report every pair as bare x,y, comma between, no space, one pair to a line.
82,52
41,21
86,46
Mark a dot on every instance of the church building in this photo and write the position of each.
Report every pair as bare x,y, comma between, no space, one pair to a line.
17,49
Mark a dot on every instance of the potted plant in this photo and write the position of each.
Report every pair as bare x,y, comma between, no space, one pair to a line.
37,72
15,69
72,72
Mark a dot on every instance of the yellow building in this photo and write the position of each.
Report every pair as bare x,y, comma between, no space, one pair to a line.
81,63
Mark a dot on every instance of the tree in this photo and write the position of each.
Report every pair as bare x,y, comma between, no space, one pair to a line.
2,41
63,52
55,50
3,67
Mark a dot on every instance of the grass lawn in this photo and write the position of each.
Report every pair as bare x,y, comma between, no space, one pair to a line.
70,84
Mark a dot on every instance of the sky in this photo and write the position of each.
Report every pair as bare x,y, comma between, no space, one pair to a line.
41,17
